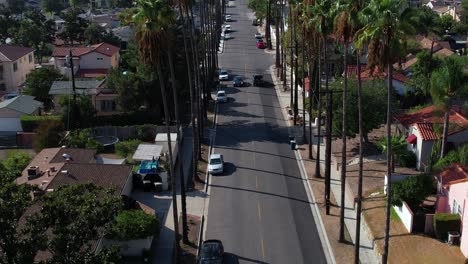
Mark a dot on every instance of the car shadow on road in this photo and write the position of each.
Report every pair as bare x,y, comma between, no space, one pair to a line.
230,258
229,169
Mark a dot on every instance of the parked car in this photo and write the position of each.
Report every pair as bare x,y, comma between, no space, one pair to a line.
254,22
221,97
226,36
258,35
215,164
228,18
261,44
238,81
223,75
211,252
258,80
227,28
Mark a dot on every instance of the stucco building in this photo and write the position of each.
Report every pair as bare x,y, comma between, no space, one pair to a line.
15,63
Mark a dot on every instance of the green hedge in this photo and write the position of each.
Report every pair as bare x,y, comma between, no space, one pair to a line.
407,159
126,148
128,119
134,224
30,123
444,223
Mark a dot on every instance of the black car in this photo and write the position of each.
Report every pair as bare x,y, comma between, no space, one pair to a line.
238,81
258,80
211,252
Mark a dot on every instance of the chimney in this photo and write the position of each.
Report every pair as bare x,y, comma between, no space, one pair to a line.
65,172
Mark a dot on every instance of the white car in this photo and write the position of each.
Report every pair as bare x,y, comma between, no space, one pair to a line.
223,75
227,28
221,97
258,35
226,36
228,18
215,164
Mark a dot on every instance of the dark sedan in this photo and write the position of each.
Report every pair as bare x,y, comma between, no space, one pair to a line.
211,252
238,81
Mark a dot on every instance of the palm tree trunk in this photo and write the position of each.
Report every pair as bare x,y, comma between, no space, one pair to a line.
179,146
291,54
296,76
171,164
277,58
443,147
268,23
389,165
357,241
328,135
343,138
303,84
319,109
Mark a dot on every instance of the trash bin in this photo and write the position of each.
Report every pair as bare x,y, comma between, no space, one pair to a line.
293,144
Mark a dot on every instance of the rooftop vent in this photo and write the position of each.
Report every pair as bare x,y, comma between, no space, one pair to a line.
33,172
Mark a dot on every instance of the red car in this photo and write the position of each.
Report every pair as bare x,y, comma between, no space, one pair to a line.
261,45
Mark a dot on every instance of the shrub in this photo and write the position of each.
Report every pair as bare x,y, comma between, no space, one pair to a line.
83,139
413,190
125,148
48,135
134,224
17,161
145,132
407,159
444,223
31,123
454,156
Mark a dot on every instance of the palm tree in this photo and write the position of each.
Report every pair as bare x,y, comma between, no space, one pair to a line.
323,26
385,24
152,20
445,82
398,147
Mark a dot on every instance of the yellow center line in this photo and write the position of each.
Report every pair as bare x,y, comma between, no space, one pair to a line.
259,212
263,249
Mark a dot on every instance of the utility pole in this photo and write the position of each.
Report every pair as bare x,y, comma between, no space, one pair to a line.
268,23
69,61
303,84
277,62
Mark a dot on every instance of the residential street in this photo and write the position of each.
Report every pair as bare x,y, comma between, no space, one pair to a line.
258,207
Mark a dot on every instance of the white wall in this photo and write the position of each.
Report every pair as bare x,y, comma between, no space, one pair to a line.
13,79
406,215
90,61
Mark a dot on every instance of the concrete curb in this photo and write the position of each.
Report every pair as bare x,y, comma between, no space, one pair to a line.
310,195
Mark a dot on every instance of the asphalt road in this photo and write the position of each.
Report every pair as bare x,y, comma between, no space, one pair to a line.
258,207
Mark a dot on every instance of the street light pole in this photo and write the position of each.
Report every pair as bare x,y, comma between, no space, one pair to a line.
74,113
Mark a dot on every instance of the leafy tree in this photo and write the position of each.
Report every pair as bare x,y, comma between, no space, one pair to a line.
16,161
52,6
129,88
16,6
73,216
134,224
454,156
446,23
82,139
373,104
8,24
35,31
422,69
85,111
413,190
74,26
38,83
126,148
95,34
48,135
75,3
16,245
259,7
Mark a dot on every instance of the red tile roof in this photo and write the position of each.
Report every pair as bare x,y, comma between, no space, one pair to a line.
13,53
366,74
103,48
454,174
427,131
91,73
424,118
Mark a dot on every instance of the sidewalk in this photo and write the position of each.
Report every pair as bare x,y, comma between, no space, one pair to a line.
367,253
162,250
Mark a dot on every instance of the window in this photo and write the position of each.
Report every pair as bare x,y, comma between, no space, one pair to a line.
30,58
108,105
2,87
99,59
15,67
454,207
459,211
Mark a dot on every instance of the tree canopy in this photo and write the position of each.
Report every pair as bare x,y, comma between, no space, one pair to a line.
53,6
413,190
74,26
38,83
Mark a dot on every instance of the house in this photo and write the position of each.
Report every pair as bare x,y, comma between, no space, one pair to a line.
103,99
447,7
418,127
399,80
88,62
15,63
452,198
55,167
11,111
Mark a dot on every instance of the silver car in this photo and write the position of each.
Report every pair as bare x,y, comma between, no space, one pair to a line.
215,164
223,75
221,97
